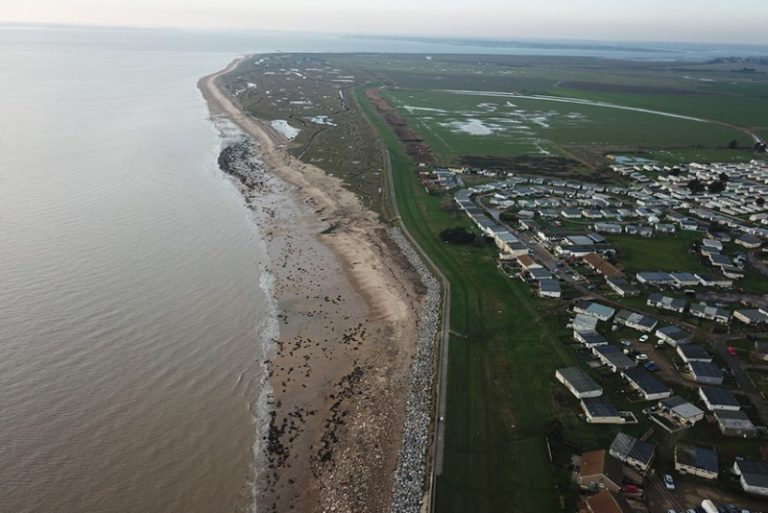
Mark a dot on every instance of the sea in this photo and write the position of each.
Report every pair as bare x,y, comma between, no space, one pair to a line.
134,296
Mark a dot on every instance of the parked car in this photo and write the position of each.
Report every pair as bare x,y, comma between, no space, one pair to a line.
731,351
651,366
644,338
630,488
669,483
641,356
626,343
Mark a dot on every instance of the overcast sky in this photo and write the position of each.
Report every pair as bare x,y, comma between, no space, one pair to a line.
734,21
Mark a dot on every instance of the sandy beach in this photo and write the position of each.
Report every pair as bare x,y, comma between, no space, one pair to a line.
348,304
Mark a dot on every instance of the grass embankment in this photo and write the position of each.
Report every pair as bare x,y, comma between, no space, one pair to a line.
500,369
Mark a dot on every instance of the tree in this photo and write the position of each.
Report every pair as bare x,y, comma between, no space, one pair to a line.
723,177
716,187
509,217
715,227
760,201
457,235
734,144
450,205
695,186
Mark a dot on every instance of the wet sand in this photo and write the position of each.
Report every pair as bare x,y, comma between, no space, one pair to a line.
348,302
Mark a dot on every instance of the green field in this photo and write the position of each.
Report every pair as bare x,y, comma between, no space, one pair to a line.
456,125
501,367
659,253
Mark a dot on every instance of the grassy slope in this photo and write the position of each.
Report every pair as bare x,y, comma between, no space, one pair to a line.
500,370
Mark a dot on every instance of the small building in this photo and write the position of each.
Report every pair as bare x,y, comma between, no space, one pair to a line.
515,249
711,246
592,213
597,310
666,303
599,472
539,273
719,399
549,288
597,238
706,373
622,287
579,240
528,263
711,313
607,502
599,410
684,279
749,241
575,251
689,225
648,386
655,278
750,316
725,263
697,461
735,423
590,338
714,280
753,476
570,213
608,227
601,265
635,453
613,358
683,412
636,321
583,322
672,335
578,382
645,231
693,353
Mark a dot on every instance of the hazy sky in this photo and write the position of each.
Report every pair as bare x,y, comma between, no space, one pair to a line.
668,20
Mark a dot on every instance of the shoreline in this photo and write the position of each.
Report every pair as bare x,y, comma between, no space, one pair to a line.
348,304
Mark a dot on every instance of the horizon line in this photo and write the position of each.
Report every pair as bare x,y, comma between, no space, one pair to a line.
422,37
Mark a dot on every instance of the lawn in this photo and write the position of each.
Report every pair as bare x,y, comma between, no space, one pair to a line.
659,253
753,282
